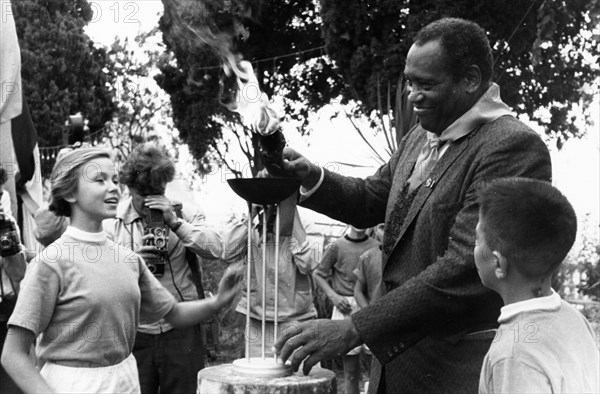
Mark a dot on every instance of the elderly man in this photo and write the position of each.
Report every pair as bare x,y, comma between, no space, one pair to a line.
430,331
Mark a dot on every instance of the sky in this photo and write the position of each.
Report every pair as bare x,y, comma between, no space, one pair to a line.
122,18
576,168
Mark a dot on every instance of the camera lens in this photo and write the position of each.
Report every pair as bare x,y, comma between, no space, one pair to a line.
159,232
160,242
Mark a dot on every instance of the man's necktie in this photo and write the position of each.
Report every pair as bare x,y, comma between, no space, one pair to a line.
428,156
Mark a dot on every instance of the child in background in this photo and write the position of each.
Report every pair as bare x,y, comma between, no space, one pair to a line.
368,272
368,278
525,230
337,267
296,263
85,295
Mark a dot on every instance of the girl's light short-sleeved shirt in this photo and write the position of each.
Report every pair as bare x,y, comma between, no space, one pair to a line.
85,296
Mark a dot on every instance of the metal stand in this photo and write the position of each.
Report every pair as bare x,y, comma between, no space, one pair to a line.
263,191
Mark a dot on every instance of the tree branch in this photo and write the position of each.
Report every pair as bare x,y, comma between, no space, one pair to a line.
245,148
378,156
390,112
380,115
236,173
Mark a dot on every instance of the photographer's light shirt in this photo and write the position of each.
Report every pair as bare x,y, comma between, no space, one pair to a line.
128,230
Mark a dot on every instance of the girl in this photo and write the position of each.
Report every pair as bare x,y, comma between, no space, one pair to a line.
86,295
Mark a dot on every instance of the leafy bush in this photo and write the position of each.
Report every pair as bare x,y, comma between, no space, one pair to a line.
578,279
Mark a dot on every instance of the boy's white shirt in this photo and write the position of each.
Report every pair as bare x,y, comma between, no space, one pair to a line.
547,303
514,370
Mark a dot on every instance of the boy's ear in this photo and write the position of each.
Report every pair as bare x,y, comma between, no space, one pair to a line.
501,265
70,198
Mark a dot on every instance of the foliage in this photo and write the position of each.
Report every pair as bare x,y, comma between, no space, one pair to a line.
591,282
587,264
578,280
141,107
545,55
62,72
273,35
546,51
579,276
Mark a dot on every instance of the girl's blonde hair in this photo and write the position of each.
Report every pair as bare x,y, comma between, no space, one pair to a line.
66,174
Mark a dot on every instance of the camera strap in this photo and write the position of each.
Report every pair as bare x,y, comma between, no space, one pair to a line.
195,276
7,302
192,261
3,294
1,284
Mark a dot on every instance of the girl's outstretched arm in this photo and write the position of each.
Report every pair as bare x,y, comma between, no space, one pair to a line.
189,313
19,365
359,293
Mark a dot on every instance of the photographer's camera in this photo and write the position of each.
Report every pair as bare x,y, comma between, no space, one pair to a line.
9,237
155,225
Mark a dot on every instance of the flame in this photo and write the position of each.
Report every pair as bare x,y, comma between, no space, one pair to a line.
193,23
250,102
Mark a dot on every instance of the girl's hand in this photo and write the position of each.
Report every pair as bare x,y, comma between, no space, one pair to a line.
230,285
341,303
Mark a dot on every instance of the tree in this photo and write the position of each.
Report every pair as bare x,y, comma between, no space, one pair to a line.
141,107
281,38
62,71
546,52
578,277
545,58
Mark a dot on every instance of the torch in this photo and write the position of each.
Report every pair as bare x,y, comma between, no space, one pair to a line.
271,146
258,114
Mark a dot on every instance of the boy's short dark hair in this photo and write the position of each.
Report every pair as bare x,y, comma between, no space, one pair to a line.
529,222
147,169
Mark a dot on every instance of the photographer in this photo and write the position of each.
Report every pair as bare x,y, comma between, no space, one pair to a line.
168,359
12,271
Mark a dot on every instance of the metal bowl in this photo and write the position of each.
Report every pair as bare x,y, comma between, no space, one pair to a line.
264,190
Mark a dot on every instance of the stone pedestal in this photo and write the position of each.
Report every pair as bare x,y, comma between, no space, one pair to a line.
224,379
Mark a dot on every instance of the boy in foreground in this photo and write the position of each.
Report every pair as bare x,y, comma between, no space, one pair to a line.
526,228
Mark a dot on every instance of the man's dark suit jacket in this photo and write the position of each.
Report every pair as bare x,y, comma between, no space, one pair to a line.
421,331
